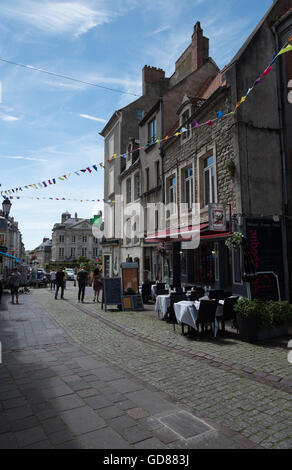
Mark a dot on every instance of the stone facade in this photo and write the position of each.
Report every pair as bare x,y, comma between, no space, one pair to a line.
43,253
73,238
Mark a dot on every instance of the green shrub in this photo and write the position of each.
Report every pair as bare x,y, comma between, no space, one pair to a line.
268,314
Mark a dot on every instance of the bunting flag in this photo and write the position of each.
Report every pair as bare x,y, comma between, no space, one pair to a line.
51,181
44,184
59,199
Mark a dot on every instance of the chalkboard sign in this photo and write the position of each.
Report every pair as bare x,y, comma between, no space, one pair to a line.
112,291
265,287
137,302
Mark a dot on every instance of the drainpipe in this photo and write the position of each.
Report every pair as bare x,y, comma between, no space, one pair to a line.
283,158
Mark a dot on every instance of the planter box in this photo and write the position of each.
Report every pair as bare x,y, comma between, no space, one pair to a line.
251,332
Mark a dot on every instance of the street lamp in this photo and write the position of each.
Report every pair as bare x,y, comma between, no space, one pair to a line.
6,206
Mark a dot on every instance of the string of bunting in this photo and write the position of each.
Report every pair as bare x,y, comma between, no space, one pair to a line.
286,48
57,199
52,181
47,183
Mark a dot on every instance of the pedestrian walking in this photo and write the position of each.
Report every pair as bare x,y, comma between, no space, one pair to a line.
75,279
97,284
82,278
14,283
52,279
60,283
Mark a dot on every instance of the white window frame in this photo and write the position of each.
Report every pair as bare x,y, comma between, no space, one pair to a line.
136,195
128,186
206,151
208,170
187,134
190,191
111,146
152,132
172,189
111,180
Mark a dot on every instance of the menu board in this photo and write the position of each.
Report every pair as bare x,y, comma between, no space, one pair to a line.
130,278
112,291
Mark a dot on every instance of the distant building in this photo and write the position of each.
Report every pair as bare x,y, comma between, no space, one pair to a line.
43,253
73,238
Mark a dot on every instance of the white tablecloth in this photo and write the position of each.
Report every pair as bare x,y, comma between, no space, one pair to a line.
153,290
187,312
162,304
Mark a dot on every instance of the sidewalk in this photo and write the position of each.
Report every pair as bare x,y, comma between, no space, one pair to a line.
55,393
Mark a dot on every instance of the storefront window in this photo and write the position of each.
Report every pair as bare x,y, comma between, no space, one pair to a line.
204,265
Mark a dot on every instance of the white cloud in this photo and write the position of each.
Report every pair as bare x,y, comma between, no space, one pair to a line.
92,118
158,31
53,17
8,118
19,157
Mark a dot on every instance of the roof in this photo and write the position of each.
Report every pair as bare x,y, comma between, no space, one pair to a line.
70,223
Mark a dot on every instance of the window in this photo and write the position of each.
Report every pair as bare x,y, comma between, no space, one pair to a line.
147,179
152,131
128,190
84,239
2,239
73,239
136,186
209,181
95,240
157,173
95,252
189,187
61,239
111,181
61,252
84,252
172,193
73,251
185,116
111,146
156,221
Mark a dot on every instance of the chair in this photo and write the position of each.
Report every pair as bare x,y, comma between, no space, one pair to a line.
161,291
225,295
228,311
199,291
146,292
216,294
207,312
174,298
194,295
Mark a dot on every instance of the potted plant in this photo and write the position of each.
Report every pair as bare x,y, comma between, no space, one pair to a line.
230,167
235,241
161,250
258,320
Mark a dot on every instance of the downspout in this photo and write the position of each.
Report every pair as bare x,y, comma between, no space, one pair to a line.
283,159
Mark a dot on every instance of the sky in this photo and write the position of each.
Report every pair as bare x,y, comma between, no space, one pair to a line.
50,126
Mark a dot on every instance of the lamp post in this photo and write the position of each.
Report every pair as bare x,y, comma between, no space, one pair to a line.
6,206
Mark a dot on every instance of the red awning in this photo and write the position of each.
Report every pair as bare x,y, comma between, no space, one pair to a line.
177,234
181,234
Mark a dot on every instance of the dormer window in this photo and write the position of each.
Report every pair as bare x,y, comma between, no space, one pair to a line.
186,126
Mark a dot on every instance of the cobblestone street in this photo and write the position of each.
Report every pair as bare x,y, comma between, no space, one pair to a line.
74,376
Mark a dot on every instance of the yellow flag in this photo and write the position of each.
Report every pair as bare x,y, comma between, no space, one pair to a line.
285,49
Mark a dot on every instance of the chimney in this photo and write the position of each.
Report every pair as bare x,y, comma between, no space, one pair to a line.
200,47
151,75
45,240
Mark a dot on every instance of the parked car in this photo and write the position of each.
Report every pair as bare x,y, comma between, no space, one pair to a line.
70,274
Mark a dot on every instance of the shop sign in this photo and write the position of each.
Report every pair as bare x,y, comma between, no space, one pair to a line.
217,217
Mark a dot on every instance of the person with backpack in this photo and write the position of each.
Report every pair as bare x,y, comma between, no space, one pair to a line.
82,278
14,283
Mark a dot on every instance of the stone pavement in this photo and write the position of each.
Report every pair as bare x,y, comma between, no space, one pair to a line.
240,405
55,393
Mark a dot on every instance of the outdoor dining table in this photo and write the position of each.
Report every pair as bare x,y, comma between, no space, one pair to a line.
186,312
162,304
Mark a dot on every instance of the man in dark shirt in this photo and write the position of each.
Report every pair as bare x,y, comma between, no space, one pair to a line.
82,277
60,283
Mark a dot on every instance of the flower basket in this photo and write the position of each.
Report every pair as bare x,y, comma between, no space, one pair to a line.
235,241
161,250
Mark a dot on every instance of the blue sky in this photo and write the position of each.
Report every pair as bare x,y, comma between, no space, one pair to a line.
48,125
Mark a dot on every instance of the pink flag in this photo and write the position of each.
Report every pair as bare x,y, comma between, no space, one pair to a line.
266,72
